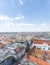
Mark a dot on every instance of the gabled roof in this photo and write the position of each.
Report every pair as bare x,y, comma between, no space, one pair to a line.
17,50
42,51
40,41
3,45
39,61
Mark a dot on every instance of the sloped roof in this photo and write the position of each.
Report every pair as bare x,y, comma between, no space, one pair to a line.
40,41
41,51
3,45
39,61
19,49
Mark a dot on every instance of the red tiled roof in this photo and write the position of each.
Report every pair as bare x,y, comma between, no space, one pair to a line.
17,50
2,45
22,47
8,40
39,41
48,52
39,61
41,51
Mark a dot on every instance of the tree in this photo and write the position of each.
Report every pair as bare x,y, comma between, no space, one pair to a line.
27,49
13,60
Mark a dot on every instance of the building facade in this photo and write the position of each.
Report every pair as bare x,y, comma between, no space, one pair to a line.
42,44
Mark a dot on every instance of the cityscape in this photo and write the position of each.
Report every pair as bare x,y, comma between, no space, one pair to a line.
25,48
24,32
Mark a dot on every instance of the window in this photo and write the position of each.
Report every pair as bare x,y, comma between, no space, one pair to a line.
43,48
48,48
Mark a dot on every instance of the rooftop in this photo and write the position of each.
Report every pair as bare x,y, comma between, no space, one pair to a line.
8,50
40,41
38,61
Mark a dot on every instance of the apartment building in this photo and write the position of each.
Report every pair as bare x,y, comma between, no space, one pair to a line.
42,44
9,51
42,57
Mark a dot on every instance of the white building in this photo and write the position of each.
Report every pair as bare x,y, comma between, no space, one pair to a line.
42,44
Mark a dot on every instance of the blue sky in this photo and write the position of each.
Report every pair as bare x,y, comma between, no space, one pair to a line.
24,15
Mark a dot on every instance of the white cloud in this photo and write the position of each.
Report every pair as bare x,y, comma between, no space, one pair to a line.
21,2
18,17
6,18
43,24
22,27
7,25
25,25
